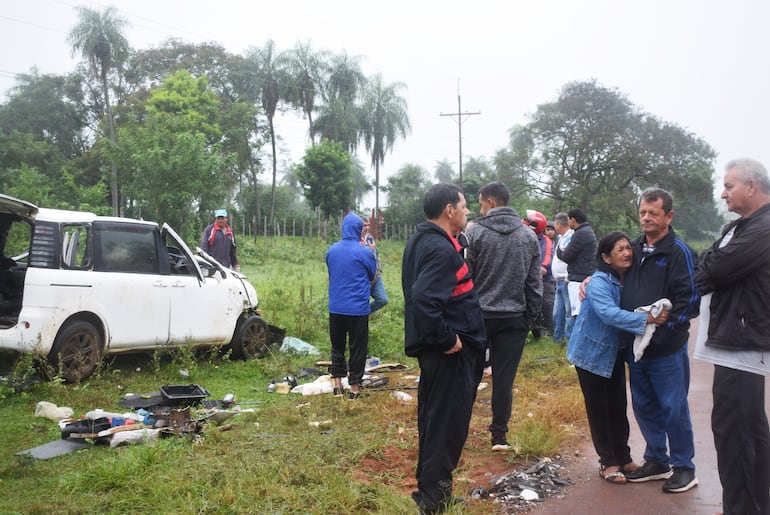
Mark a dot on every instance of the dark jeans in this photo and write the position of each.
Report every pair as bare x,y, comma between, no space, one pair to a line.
742,441
545,321
505,339
606,409
445,397
356,329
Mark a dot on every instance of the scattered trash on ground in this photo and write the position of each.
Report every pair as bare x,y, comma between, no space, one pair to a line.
180,410
521,489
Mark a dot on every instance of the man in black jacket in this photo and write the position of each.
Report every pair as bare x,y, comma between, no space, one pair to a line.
444,329
580,256
663,267
736,271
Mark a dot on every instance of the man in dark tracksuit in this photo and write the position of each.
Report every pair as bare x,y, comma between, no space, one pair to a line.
444,329
663,267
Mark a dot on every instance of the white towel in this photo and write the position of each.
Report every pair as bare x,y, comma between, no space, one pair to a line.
643,340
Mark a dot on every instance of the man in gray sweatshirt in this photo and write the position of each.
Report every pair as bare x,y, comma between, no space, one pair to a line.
504,257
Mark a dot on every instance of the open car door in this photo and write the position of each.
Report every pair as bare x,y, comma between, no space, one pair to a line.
203,310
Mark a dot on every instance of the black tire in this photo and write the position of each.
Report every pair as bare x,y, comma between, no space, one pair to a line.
250,341
76,351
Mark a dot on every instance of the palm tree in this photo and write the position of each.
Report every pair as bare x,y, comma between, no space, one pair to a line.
384,117
271,71
339,116
98,37
306,69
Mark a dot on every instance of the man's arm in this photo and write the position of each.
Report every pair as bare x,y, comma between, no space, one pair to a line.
576,244
736,260
681,289
432,288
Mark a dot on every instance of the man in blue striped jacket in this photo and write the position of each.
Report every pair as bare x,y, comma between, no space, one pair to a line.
664,267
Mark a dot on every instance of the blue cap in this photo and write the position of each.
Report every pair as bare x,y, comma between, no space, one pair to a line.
220,212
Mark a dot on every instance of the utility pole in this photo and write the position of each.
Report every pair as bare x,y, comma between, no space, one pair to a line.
460,117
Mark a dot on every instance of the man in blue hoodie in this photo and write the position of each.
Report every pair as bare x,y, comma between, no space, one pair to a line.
352,267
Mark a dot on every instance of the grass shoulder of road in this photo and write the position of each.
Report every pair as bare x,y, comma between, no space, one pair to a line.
358,458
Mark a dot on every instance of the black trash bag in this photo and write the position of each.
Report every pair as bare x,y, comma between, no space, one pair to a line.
85,427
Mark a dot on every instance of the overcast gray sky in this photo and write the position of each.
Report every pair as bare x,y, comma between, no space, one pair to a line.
702,64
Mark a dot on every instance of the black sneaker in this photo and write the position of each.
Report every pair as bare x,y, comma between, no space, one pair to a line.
650,471
352,396
422,507
680,481
337,392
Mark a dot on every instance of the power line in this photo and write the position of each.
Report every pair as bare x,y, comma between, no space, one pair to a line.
460,117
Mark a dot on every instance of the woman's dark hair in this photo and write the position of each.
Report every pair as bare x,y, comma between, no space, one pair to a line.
606,244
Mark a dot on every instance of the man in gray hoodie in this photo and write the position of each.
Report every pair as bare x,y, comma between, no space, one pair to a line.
504,256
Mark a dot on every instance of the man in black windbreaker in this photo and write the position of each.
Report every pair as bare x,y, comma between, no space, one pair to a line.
580,256
444,329
736,271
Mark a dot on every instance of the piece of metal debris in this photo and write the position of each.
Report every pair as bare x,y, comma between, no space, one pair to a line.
521,489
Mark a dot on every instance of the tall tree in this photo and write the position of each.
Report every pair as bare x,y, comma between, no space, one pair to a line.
325,174
50,108
175,154
384,118
270,66
405,190
514,164
596,150
361,185
339,113
98,37
443,172
307,69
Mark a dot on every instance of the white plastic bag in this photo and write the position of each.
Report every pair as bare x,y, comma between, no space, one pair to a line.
52,412
135,437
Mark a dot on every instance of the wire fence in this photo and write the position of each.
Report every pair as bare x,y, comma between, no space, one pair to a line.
318,228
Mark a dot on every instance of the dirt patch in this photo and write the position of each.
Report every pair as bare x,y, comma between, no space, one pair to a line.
394,465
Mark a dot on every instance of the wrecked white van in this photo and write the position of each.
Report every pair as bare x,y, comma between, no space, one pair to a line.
75,287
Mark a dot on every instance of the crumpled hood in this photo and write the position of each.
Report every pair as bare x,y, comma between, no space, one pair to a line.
502,220
352,225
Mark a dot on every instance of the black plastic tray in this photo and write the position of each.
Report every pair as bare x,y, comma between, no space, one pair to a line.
183,394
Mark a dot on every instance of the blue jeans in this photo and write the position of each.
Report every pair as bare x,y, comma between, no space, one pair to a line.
379,295
562,321
659,389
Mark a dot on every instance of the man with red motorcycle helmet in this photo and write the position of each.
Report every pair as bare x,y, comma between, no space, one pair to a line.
538,222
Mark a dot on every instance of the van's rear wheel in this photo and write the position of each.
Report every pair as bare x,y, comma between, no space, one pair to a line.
76,351
250,339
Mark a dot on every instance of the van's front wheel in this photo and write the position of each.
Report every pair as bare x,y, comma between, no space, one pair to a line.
76,351
250,339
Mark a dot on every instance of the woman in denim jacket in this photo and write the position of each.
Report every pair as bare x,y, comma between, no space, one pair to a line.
595,351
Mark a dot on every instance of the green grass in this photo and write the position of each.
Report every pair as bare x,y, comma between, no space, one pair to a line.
272,461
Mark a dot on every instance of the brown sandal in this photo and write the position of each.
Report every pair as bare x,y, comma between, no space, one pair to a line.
616,477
